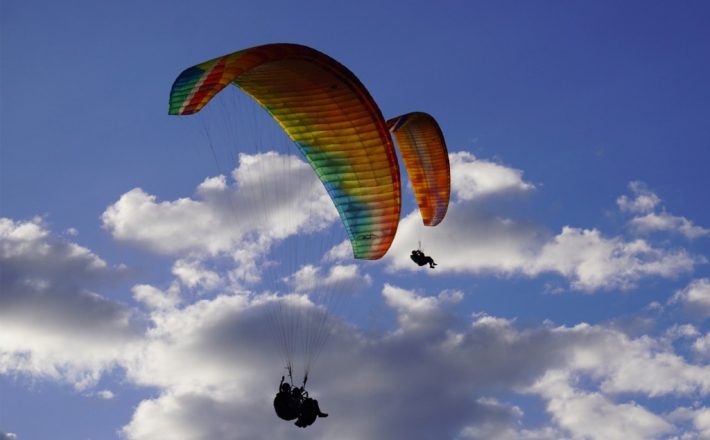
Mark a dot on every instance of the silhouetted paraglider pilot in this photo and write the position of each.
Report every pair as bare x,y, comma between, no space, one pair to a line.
421,259
293,403
309,412
287,402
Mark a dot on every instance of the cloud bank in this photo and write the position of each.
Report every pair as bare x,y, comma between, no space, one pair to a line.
214,359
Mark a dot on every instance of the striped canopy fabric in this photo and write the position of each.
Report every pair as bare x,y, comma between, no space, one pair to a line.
424,153
330,116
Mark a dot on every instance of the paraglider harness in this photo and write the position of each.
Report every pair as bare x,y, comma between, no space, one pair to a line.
294,403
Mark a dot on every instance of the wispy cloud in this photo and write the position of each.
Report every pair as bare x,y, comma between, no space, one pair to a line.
667,222
643,202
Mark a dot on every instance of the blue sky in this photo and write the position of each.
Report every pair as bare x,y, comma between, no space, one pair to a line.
572,295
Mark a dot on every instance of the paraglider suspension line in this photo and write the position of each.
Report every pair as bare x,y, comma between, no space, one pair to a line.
290,372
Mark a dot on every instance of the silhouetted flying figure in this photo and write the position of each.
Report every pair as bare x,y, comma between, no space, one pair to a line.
287,402
421,259
293,402
309,412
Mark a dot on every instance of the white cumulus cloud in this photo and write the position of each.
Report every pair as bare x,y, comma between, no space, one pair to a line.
276,196
273,197
642,201
473,178
695,297
643,204
54,325
667,222
592,261
341,278
591,415
702,345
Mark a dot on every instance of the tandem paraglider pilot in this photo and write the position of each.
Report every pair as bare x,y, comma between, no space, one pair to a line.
421,259
293,403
